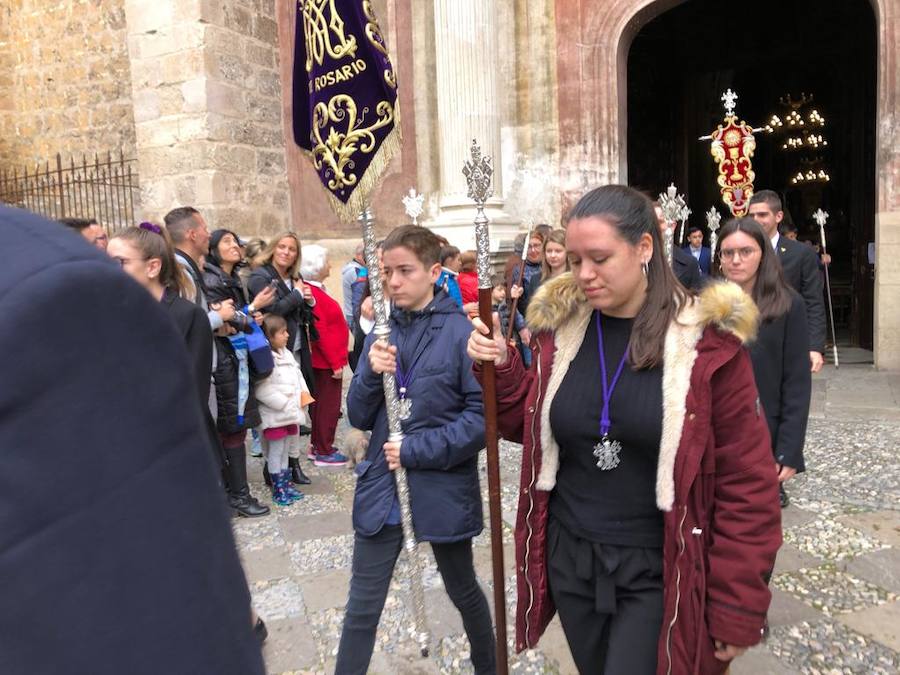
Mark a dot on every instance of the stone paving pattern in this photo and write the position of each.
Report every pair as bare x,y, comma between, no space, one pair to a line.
836,587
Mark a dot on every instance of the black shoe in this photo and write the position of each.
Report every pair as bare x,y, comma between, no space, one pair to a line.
247,507
239,497
297,475
305,430
260,630
267,477
785,500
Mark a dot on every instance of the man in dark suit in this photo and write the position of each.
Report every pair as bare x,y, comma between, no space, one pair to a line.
683,264
116,554
698,251
801,270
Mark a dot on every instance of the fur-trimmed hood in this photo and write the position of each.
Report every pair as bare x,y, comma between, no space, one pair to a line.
721,303
561,308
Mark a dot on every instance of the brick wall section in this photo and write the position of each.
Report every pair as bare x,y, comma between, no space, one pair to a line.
65,83
207,100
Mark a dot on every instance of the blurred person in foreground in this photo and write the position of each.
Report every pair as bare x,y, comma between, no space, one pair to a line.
134,571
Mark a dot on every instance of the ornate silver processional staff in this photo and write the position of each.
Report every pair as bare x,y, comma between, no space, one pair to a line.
713,218
382,332
673,208
820,217
412,202
478,172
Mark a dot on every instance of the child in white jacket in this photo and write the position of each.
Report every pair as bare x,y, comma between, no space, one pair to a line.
282,398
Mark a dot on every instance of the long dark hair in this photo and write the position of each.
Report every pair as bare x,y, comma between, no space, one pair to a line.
770,290
633,216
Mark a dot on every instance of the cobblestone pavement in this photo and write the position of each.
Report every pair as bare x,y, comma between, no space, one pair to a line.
836,590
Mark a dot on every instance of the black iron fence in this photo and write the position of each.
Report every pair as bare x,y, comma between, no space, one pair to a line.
105,189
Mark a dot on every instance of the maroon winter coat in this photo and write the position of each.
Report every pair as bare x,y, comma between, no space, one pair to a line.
716,480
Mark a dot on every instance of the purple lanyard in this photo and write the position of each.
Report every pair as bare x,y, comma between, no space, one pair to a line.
403,380
607,388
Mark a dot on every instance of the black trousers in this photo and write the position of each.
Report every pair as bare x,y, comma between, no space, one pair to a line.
610,602
373,566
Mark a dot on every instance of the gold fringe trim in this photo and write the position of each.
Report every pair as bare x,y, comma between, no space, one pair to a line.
367,183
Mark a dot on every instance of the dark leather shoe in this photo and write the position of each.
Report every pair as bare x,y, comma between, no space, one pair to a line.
247,507
785,500
297,475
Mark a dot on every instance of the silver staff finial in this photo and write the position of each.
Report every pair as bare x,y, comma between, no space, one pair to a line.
412,202
713,219
478,172
729,98
820,217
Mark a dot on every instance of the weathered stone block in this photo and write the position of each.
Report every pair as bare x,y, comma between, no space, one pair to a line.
265,30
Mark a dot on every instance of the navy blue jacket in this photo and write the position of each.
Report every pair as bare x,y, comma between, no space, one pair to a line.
442,436
127,565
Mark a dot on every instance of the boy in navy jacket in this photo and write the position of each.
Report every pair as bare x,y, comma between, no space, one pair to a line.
442,436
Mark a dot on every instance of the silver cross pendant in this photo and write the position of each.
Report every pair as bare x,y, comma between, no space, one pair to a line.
405,408
607,454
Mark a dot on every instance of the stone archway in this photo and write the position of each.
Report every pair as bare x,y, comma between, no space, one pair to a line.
592,94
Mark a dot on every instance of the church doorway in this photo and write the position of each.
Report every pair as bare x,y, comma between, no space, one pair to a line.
790,60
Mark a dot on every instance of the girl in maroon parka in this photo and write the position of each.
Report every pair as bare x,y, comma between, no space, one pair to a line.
648,507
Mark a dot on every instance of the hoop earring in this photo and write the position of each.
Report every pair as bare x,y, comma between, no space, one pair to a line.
645,268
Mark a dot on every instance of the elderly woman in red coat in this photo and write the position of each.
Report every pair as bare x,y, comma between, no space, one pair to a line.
329,356
648,505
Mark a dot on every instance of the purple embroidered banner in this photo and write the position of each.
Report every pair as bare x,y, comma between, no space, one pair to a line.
345,99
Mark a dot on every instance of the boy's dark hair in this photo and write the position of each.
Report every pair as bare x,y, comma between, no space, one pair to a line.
498,280
272,323
78,224
448,252
694,228
787,228
420,240
768,197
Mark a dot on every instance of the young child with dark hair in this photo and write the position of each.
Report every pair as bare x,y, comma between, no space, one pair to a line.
500,304
282,398
443,427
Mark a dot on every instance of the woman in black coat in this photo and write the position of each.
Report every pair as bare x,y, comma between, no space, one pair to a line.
222,282
146,255
780,354
278,265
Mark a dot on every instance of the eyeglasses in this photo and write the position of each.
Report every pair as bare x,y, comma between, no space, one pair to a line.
745,252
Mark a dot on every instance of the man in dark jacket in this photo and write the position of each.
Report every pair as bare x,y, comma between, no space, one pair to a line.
131,568
685,266
801,270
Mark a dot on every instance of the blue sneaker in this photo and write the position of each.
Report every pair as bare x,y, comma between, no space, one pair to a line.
334,459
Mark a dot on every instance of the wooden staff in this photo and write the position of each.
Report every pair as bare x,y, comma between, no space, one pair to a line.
478,172
515,301
395,434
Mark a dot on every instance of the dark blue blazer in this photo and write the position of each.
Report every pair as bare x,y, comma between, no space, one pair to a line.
705,258
443,434
116,554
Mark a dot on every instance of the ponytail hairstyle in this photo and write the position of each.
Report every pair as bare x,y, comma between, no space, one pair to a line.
631,213
153,241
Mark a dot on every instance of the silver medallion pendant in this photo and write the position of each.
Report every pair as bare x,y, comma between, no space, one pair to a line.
607,454
405,407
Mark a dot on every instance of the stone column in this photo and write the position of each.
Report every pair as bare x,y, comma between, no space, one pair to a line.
468,108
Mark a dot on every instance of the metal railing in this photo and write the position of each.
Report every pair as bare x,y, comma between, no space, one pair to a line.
104,189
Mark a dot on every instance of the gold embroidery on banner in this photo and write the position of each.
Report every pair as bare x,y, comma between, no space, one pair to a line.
373,32
336,152
320,31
